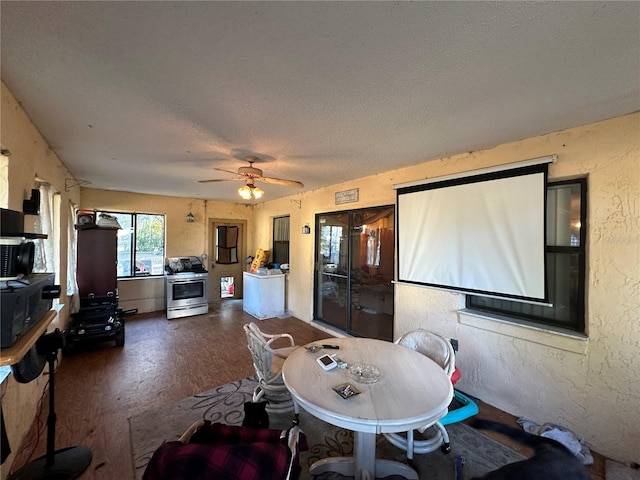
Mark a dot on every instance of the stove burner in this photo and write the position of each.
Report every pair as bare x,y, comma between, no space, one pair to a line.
184,265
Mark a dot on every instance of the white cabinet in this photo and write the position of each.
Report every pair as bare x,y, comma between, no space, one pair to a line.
263,295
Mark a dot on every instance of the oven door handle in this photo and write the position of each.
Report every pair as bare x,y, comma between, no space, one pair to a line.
191,280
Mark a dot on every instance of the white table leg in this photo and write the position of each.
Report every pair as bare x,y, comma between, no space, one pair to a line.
363,465
364,452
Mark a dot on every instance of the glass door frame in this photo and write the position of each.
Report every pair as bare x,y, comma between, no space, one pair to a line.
351,274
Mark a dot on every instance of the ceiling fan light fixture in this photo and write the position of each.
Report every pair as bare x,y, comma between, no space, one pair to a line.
249,190
245,192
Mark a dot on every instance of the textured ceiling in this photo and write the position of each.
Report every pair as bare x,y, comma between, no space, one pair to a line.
150,97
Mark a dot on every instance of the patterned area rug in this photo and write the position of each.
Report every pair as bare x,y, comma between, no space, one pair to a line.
225,404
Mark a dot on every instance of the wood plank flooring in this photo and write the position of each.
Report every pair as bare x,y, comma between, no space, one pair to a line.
99,388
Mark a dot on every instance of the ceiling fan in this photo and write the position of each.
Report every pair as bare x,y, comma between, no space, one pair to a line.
250,174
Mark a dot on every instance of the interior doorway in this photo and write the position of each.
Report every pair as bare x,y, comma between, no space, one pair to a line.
355,254
227,253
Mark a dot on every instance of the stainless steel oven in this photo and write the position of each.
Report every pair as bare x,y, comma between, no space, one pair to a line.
187,290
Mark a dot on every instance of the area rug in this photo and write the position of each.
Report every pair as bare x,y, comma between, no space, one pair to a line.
225,404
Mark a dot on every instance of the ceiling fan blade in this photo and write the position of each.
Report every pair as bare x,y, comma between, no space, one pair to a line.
278,181
220,180
227,171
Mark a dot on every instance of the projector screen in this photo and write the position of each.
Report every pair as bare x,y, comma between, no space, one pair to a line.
482,234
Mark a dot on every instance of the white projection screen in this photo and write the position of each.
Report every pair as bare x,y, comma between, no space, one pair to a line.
482,234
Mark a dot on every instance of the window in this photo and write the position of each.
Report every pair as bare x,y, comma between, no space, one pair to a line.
330,238
566,259
280,240
227,244
140,244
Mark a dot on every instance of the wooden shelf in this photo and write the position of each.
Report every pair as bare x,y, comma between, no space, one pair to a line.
13,354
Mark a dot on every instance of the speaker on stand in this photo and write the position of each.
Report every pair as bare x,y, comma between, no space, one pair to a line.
64,464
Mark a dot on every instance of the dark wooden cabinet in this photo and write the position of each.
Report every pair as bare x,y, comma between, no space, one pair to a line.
99,317
97,261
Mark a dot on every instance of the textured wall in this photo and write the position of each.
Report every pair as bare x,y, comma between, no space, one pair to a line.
30,157
590,384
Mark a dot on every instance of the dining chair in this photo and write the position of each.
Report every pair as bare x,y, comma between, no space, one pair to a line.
268,352
440,350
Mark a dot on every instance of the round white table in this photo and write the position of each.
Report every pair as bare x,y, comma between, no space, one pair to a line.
413,391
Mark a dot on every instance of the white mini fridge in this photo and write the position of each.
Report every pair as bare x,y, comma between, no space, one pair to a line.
263,295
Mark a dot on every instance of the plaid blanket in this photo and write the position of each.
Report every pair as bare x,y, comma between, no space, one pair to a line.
225,452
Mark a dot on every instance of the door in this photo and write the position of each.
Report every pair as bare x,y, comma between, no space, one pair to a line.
227,254
332,269
372,248
355,254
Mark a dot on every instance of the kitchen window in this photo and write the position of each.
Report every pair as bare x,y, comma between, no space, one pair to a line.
566,259
140,244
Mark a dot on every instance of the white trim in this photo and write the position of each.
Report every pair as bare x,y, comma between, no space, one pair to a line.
541,334
481,171
461,292
331,330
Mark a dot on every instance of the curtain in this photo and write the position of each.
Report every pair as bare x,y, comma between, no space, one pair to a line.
44,258
373,247
227,244
280,252
46,255
73,292
281,229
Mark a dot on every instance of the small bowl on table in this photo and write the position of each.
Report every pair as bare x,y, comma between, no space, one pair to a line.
364,373
313,348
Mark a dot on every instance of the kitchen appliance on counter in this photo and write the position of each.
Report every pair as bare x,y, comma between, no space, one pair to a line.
187,283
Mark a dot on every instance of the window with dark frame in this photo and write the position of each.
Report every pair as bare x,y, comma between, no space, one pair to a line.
141,250
227,244
280,249
566,260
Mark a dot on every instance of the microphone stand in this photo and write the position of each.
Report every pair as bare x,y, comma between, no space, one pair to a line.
64,464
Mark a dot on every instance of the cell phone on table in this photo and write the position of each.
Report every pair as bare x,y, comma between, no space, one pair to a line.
327,362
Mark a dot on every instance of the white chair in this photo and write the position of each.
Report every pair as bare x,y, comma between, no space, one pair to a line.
267,361
440,350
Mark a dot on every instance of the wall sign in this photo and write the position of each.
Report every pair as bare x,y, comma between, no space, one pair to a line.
347,196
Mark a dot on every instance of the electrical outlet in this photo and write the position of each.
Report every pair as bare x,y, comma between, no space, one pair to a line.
454,344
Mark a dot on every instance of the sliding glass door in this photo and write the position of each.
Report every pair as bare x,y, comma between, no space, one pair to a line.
332,269
354,271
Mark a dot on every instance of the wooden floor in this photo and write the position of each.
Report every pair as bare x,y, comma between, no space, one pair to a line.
97,389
